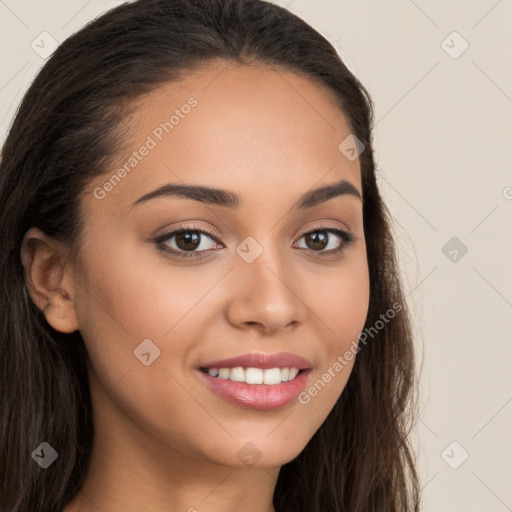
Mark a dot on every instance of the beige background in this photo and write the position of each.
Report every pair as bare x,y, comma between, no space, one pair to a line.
443,146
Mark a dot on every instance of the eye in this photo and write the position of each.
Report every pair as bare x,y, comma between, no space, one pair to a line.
327,240
189,242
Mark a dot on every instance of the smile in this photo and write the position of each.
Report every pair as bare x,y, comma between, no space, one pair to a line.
252,392
250,375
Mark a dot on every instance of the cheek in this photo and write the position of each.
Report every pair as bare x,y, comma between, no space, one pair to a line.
121,303
340,301
134,294
349,305
125,302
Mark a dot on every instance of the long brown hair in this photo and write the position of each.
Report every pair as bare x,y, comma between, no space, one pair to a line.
65,133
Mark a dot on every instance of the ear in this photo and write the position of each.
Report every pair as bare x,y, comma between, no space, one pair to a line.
48,279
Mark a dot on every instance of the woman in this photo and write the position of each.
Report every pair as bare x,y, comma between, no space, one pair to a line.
200,304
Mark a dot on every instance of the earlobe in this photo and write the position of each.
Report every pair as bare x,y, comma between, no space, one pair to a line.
60,312
49,284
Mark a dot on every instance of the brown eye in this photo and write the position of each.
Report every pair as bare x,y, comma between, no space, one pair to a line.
327,241
188,242
317,240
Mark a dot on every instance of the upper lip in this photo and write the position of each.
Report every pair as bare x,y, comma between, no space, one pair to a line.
264,361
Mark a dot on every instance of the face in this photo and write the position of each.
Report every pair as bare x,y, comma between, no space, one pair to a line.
258,274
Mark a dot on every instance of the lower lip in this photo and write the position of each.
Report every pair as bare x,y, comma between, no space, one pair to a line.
257,396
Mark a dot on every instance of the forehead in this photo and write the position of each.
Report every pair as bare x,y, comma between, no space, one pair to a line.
235,127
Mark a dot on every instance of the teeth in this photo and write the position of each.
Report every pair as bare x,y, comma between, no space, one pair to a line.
254,375
293,373
237,374
269,376
224,373
272,376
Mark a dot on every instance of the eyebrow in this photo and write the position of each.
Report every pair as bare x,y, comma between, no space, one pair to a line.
231,200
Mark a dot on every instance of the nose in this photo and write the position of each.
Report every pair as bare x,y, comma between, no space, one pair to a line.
266,295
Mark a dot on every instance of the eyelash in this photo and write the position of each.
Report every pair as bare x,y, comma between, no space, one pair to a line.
347,237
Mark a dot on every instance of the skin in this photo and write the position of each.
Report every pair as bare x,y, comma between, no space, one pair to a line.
163,439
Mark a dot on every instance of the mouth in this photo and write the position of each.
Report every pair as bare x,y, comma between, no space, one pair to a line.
253,375
256,388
